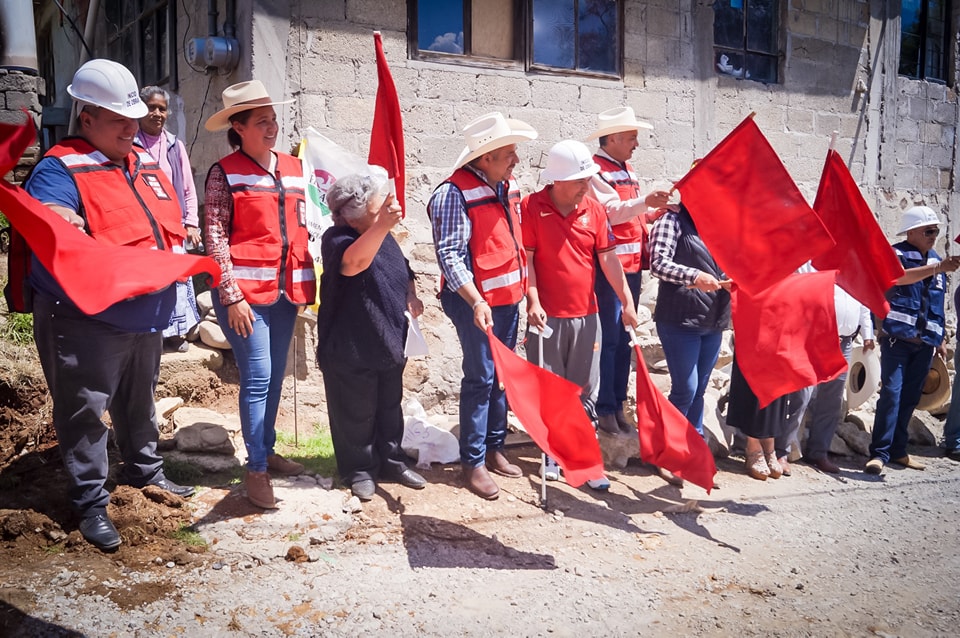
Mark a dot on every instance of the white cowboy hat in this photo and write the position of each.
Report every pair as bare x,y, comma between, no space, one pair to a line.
617,120
863,378
490,132
240,97
936,387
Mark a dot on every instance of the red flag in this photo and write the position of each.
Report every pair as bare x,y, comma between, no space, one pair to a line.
667,439
386,136
93,274
549,408
786,337
867,265
749,212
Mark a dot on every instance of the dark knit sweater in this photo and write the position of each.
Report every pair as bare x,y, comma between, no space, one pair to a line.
361,322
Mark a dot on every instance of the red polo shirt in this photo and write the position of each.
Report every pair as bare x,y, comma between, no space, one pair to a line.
563,250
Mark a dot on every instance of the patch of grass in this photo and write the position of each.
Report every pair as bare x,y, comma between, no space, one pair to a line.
293,537
16,328
189,536
54,549
315,451
182,473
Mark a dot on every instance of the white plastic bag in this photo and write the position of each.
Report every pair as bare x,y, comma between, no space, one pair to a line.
424,441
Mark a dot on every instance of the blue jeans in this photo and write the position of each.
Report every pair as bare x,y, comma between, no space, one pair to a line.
903,369
691,354
951,429
262,360
483,405
615,347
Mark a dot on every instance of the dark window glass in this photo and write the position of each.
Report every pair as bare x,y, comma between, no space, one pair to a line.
599,36
139,33
440,26
554,33
746,39
924,39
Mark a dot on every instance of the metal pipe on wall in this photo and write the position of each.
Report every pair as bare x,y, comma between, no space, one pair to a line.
18,36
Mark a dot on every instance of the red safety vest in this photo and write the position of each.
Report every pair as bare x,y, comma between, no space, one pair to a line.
146,215
268,235
496,244
630,236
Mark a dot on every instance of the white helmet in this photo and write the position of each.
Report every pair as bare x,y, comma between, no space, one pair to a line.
569,160
110,85
917,217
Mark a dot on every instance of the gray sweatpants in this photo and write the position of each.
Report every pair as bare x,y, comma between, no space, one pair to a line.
572,352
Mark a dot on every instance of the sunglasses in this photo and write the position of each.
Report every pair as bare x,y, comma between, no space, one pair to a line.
931,232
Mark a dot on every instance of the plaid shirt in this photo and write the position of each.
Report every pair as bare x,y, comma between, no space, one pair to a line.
663,245
452,230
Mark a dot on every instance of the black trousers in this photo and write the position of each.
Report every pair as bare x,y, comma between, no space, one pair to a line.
366,420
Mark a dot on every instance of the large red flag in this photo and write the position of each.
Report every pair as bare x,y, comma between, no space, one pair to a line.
386,136
786,337
549,408
93,274
867,265
749,212
667,439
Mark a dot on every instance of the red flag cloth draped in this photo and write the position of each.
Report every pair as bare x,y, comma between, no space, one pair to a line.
549,408
786,337
93,274
667,439
749,212
386,136
867,265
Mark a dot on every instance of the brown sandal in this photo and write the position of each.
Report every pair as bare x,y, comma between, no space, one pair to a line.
756,466
773,465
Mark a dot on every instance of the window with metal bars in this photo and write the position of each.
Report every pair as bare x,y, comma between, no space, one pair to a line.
746,39
925,39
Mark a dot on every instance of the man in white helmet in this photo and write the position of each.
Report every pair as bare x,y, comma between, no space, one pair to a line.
910,335
110,361
565,234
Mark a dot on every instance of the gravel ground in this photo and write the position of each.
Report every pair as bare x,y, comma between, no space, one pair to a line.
807,555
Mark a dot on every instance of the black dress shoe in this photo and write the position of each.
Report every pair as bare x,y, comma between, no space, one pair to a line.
364,489
409,478
100,532
184,491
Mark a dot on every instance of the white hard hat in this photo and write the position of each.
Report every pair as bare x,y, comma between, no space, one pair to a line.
917,217
569,160
110,85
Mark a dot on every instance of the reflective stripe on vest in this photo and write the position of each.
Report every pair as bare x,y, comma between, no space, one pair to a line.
512,277
255,274
629,249
893,315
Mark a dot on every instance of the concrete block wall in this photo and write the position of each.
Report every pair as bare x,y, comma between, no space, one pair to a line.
18,92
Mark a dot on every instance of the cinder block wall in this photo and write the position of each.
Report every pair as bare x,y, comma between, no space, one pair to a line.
20,92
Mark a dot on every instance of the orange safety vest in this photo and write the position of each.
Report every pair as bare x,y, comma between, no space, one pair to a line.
268,234
630,236
146,215
496,244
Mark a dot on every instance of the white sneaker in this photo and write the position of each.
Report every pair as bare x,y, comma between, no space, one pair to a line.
551,470
600,484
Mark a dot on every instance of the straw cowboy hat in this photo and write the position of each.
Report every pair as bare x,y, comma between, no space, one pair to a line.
936,388
863,379
490,132
240,97
617,120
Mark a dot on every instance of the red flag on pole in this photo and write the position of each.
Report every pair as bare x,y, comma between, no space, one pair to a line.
93,274
667,439
749,212
867,265
786,337
386,136
550,410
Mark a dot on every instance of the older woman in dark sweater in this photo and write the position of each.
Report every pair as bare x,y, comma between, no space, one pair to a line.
366,287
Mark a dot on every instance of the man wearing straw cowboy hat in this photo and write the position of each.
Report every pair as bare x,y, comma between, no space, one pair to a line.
476,233
616,187
108,361
911,332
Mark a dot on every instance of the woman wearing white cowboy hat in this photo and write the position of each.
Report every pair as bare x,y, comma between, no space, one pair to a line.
256,230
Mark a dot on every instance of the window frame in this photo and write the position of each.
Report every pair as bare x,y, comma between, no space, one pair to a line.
744,51
947,44
142,18
523,44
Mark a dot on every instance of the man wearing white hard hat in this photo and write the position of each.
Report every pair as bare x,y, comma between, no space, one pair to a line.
910,335
476,233
118,194
616,186
565,233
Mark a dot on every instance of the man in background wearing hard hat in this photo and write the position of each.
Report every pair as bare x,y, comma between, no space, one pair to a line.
476,233
616,187
911,332
564,232
110,361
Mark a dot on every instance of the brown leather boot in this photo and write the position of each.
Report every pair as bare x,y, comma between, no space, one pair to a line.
279,465
498,464
479,481
259,490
